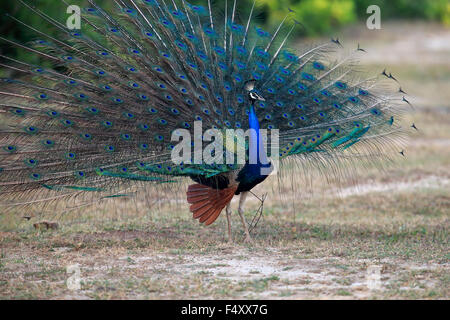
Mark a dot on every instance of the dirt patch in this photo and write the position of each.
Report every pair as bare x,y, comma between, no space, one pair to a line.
430,182
230,272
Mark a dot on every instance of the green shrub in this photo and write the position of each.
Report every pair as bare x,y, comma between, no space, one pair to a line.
319,16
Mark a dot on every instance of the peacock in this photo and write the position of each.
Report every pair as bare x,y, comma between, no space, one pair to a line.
113,102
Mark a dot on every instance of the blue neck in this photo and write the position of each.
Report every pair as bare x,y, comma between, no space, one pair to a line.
256,151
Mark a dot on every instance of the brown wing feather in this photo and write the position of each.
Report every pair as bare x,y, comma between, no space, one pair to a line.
207,203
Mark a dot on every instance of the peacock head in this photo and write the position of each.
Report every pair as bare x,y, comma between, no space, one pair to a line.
253,95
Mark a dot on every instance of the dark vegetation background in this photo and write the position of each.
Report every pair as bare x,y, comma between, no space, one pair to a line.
320,17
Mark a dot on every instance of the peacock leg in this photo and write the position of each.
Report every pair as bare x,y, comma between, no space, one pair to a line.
241,214
228,210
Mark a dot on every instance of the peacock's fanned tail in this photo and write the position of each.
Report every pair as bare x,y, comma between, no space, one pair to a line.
100,112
